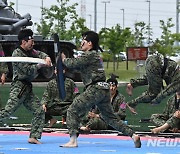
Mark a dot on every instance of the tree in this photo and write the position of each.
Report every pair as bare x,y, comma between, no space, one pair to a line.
141,34
166,44
114,40
57,18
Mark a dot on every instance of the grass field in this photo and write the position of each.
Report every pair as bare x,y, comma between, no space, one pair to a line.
124,74
144,110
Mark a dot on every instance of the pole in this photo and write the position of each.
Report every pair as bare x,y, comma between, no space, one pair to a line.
16,5
123,17
105,12
42,6
95,15
177,18
149,24
90,19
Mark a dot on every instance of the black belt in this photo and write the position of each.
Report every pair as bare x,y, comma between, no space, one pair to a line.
94,82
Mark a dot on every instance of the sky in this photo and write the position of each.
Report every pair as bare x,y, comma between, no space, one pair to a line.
134,11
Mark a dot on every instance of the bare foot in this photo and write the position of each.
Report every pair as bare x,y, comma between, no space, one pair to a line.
85,128
155,130
33,141
137,141
52,122
69,145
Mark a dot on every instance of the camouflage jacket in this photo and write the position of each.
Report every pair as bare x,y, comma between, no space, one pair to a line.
119,105
139,82
26,71
170,109
51,94
3,66
89,65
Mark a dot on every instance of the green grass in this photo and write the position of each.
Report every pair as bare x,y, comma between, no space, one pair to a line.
122,72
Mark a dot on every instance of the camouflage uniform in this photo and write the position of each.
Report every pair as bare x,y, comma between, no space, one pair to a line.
154,79
21,91
119,107
55,106
167,115
96,93
3,67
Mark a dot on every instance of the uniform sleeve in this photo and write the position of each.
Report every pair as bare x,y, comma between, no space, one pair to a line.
167,91
46,98
139,82
121,107
77,63
26,71
71,90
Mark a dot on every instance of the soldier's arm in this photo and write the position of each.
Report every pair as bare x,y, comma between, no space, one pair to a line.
121,112
167,91
139,82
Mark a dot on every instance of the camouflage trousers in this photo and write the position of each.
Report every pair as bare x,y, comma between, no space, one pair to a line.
160,119
56,110
30,101
94,95
97,124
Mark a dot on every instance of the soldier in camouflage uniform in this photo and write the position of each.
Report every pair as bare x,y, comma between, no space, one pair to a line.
52,104
119,106
96,92
3,70
21,87
167,116
158,68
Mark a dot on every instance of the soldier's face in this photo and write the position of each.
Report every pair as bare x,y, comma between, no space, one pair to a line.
86,45
113,89
27,44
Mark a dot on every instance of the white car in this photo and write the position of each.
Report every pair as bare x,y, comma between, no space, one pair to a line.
176,57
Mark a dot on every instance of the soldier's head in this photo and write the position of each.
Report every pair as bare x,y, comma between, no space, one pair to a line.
90,41
113,83
178,93
26,39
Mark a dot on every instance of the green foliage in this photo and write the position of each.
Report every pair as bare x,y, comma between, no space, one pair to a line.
166,44
57,17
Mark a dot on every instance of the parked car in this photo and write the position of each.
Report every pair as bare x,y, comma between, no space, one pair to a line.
122,56
175,57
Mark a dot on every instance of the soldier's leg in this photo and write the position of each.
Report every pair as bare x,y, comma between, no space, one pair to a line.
97,124
110,118
170,89
173,122
13,102
32,103
146,97
158,119
78,109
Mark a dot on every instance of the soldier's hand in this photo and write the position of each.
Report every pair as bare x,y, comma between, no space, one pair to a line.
129,89
177,114
48,61
132,109
93,115
63,56
174,130
44,108
3,78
